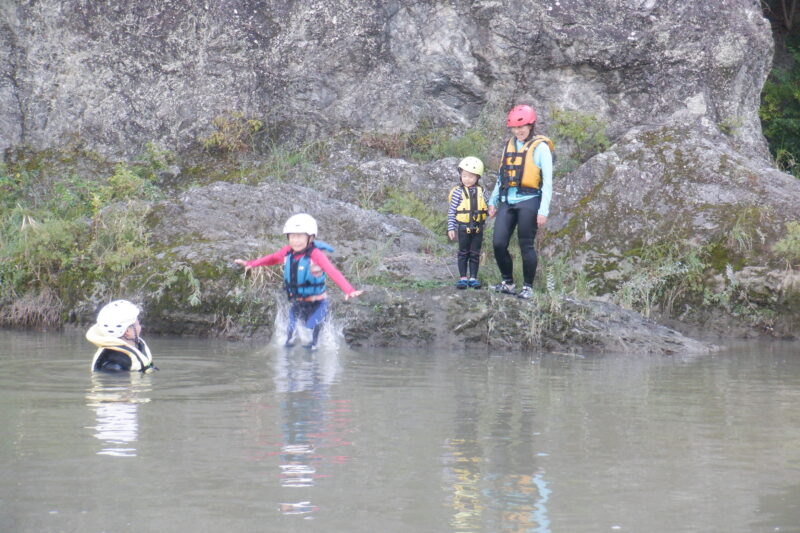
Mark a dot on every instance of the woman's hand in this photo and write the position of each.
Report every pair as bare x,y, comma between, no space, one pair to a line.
492,211
541,220
353,294
451,234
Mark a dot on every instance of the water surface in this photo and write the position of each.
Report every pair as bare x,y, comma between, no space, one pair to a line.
246,437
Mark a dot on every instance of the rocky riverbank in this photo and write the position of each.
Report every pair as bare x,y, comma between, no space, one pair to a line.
146,147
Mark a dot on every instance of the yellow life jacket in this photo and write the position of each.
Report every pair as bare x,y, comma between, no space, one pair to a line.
517,169
141,360
472,210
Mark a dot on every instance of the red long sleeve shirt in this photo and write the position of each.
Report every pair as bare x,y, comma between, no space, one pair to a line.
317,257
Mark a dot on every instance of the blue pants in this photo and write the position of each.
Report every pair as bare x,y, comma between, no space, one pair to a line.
311,313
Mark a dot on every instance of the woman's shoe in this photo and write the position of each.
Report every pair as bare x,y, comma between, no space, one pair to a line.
526,293
505,287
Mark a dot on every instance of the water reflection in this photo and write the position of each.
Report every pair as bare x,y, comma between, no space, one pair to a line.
494,483
302,381
115,400
463,477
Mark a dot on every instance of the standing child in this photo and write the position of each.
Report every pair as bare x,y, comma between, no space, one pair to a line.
466,217
304,268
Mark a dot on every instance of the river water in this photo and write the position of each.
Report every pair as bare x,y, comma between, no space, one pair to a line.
246,437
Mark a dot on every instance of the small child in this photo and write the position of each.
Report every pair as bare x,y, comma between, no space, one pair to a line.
466,217
304,268
116,334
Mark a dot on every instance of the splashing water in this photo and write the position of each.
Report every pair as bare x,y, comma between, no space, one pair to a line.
329,337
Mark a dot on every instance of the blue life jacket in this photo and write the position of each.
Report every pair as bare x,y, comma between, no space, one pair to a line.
297,276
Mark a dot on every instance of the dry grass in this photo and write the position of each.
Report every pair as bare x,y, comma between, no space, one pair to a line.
42,310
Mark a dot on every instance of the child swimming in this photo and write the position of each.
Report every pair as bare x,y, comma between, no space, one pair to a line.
305,266
116,335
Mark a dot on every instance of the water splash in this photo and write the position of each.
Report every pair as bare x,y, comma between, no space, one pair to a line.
330,337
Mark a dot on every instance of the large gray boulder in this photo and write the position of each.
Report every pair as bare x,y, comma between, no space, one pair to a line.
662,193
117,75
206,228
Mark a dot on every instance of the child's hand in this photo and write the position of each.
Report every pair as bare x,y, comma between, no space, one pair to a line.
353,294
242,262
492,211
452,234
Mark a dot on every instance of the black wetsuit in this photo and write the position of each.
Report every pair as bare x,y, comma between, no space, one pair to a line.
116,361
521,216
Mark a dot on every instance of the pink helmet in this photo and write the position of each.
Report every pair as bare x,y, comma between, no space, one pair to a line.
521,115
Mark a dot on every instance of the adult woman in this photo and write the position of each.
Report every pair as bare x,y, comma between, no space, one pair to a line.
521,198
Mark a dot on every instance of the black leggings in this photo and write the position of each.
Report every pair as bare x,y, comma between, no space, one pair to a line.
469,251
522,216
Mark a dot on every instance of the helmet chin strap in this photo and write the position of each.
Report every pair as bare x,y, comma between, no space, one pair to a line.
135,338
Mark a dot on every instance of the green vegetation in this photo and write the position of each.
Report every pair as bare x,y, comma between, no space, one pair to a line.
233,132
780,113
577,136
661,275
407,203
65,236
780,97
789,246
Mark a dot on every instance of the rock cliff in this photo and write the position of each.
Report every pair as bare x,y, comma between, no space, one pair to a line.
120,74
675,82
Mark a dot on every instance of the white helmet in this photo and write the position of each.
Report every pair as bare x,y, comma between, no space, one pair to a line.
116,317
301,223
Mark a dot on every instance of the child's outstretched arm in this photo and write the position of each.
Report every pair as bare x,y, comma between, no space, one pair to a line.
324,263
267,260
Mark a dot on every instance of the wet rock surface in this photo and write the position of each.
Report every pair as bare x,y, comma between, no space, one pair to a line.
484,319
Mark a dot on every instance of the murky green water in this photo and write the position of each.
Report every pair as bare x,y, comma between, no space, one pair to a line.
231,437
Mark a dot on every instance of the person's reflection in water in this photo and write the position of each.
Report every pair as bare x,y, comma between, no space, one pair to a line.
488,488
115,400
463,478
302,381
463,460
516,486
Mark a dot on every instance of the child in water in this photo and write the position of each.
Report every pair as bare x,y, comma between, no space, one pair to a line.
116,335
466,217
304,268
